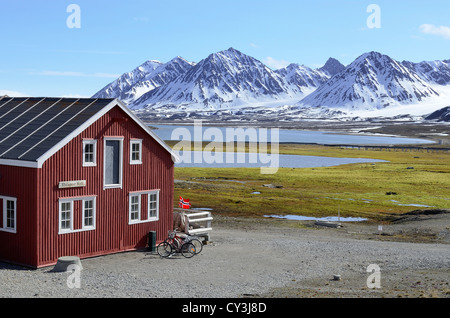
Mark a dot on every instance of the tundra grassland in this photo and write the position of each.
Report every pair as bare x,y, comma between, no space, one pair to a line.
409,180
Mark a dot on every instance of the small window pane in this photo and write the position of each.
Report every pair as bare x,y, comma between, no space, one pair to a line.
89,153
135,151
10,214
153,205
134,207
89,213
65,215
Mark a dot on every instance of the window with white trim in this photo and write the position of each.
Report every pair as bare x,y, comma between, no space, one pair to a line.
88,213
89,153
65,213
87,206
9,214
112,162
135,152
135,207
153,203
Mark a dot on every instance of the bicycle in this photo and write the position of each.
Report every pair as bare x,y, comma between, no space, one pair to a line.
175,244
196,241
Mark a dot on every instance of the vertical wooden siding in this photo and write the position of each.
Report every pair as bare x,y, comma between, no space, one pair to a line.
112,233
20,183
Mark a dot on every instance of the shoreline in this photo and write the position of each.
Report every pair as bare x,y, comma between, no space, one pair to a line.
437,132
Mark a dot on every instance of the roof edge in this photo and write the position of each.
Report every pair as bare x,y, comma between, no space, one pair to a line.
90,121
19,163
124,107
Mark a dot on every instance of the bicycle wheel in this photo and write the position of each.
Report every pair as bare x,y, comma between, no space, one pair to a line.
188,250
198,245
164,249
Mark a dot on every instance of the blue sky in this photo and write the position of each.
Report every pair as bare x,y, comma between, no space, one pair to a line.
42,56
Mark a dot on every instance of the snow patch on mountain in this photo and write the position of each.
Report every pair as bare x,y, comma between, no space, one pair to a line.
372,81
233,83
436,72
146,77
225,79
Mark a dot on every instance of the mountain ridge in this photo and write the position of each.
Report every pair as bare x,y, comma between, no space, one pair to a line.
372,80
230,79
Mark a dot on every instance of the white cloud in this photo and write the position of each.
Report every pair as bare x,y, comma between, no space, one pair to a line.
436,30
276,64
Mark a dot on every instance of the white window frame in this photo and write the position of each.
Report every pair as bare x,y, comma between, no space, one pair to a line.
70,229
94,143
156,217
130,212
149,218
71,202
94,210
118,185
135,142
5,215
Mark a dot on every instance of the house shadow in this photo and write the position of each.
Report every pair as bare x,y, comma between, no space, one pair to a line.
14,267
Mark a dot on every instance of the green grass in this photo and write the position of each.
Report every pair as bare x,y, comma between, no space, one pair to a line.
353,190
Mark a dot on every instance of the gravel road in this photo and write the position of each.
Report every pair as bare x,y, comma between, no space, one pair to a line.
265,258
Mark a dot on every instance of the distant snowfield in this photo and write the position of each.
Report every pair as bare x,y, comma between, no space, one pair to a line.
290,105
424,108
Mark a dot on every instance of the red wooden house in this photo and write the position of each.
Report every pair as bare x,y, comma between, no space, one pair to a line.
79,177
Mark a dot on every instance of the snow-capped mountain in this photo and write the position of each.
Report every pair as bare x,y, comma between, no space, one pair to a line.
332,67
442,114
148,76
303,78
436,72
233,81
372,81
225,79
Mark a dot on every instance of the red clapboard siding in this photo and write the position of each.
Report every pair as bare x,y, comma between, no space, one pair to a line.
20,183
112,233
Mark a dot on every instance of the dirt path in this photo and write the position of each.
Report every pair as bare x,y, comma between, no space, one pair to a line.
262,258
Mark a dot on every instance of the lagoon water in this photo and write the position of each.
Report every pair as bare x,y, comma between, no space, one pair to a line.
200,159
310,218
295,136
220,160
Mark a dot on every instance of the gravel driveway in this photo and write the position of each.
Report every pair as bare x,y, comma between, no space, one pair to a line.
262,259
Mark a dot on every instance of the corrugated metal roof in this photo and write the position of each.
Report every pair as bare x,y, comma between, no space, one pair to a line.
29,127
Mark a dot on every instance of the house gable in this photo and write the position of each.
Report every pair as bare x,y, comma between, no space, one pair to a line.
33,129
